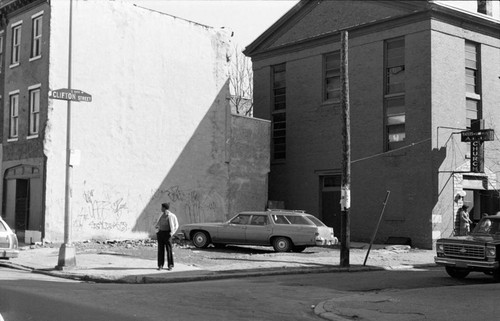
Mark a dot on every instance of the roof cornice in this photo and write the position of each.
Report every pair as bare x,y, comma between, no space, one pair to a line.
9,7
305,6
428,11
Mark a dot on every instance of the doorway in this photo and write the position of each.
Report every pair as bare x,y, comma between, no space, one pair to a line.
23,200
481,203
22,206
330,201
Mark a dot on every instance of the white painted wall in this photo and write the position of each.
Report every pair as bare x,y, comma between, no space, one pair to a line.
471,5
156,81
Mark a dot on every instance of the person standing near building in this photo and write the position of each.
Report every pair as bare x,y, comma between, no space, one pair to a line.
166,226
464,220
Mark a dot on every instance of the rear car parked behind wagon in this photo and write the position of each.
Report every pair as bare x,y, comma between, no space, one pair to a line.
8,242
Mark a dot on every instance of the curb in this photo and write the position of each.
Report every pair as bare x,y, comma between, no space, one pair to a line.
205,275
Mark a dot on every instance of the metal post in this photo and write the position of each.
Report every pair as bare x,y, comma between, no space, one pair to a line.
376,228
345,230
67,253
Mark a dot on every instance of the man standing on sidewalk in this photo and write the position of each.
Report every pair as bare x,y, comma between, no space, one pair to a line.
166,226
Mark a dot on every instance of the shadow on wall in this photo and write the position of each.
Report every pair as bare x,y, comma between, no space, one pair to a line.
196,186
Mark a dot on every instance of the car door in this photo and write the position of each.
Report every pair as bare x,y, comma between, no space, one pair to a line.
234,230
259,230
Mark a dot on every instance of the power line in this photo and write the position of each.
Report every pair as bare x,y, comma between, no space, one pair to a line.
391,151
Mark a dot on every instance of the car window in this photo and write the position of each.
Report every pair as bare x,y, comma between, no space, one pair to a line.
241,219
299,220
315,220
280,219
259,220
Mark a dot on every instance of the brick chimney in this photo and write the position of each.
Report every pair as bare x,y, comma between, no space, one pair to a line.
484,7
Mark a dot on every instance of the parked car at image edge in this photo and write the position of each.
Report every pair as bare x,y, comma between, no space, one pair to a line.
8,242
283,230
479,251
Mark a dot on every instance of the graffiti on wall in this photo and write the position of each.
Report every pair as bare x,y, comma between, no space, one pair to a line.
102,214
194,205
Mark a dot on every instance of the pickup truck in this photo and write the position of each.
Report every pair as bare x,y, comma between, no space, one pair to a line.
479,251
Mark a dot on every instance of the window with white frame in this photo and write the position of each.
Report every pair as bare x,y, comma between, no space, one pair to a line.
16,44
394,93
332,76
34,116
472,84
36,36
14,114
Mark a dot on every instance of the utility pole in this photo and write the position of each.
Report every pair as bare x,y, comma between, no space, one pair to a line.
345,230
67,253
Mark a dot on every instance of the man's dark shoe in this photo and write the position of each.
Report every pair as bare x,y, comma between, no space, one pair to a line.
170,268
159,268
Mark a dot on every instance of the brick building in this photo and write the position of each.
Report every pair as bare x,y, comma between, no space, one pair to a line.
158,128
420,73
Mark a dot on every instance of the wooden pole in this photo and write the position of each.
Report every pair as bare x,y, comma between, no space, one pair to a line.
345,230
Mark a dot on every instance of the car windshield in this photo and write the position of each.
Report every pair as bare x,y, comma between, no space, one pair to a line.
488,226
2,227
315,220
240,219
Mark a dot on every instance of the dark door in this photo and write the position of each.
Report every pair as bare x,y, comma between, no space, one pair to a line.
330,202
22,205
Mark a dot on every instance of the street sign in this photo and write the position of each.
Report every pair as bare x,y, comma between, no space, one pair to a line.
70,94
482,135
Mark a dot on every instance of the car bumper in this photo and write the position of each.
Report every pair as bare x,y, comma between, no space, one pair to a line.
326,242
466,264
9,253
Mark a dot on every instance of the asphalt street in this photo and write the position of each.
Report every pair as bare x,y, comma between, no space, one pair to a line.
416,294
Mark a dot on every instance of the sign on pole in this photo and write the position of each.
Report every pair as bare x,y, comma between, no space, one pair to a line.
476,136
482,135
70,94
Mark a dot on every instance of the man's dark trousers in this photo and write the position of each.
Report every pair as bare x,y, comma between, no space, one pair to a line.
164,243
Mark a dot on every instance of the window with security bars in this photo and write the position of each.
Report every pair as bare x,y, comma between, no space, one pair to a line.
278,119
36,40
472,83
332,76
394,94
14,115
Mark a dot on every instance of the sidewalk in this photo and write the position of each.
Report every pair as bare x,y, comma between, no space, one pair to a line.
115,268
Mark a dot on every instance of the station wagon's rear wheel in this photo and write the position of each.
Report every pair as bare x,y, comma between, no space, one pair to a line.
201,239
282,244
457,273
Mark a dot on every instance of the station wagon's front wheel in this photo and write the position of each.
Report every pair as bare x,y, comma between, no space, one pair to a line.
282,244
201,239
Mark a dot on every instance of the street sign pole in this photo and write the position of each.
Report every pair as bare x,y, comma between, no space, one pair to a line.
67,253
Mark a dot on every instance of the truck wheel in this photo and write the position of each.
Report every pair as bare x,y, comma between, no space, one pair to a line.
201,239
457,273
496,275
